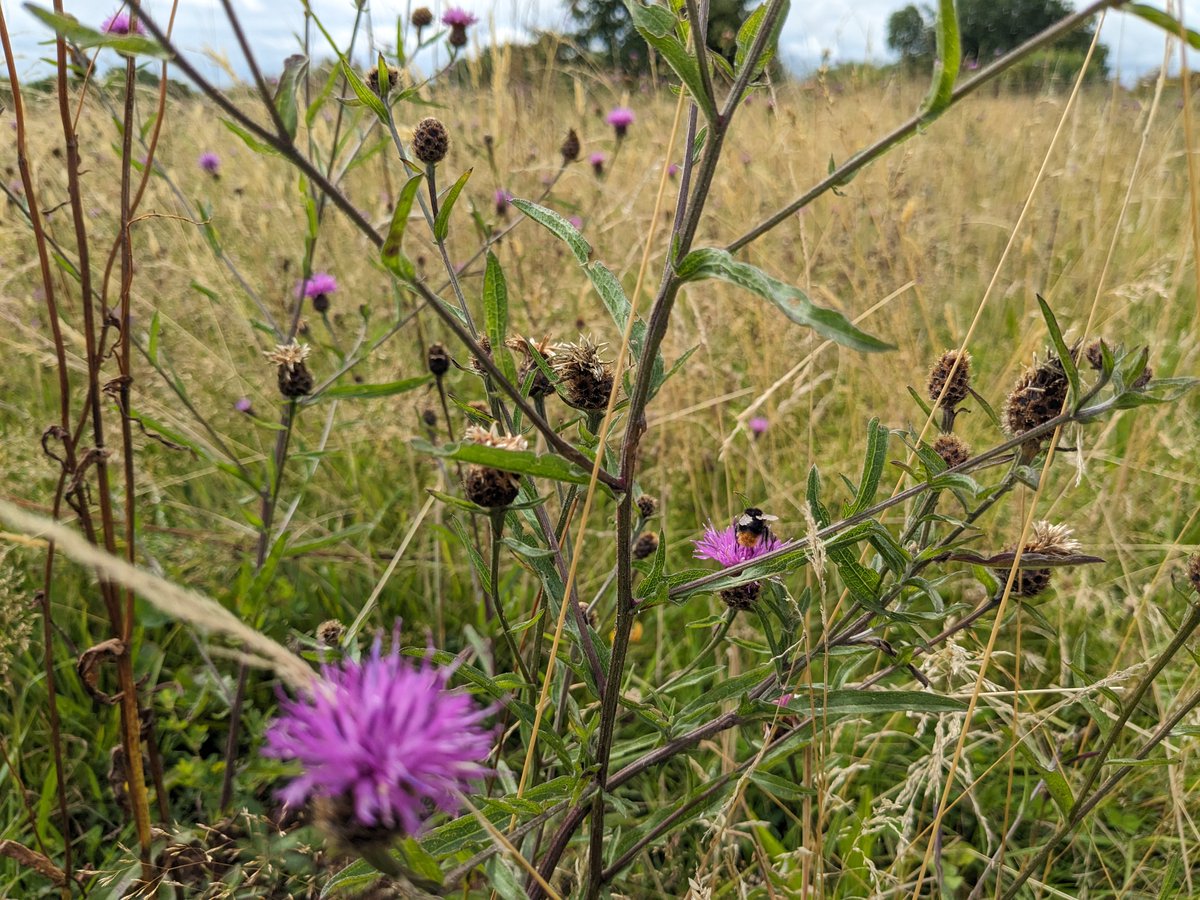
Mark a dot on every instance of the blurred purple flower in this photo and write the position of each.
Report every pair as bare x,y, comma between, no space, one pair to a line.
457,17
577,222
620,119
242,405
723,547
673,169
210,162
320,283
597,160
503,198
118,23
385,736
758,425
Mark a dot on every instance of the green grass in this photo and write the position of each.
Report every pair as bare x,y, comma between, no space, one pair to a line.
915,239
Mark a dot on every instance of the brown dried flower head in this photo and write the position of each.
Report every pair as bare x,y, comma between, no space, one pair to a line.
541,386
952,449
589,615
330,632
585,380
1193,572
485,344
484,485
646,545
1036,398
570,147
431,141
373,81
647,505
438,360
951,373
294,378
422,17
742,597
1094,355
1047,539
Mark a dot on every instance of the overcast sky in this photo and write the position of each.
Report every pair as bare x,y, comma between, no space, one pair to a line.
846,29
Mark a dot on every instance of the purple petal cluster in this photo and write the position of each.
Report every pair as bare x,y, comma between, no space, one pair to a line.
457,17
620,117
385,735
119,23
210,162
723,547
319,283
759,425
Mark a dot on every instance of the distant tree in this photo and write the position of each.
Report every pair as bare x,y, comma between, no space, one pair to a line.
605,26
988,29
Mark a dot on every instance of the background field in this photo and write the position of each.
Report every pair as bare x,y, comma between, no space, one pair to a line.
910,245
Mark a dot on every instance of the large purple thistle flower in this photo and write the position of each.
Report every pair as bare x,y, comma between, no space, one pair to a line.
384,735
723,547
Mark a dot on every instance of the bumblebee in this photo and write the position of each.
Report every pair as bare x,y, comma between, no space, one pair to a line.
752,528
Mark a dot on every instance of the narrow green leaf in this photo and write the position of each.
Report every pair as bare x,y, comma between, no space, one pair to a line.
1060,347
877,447
749,30
945,67
495,315
526,462
250,140
371,391
155,333
85,37
441,224
656,25
392,252
783,788
558,226
710,262
1163,20
851,701
365,95
294,67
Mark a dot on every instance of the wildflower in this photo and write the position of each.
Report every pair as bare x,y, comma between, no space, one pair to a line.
758,425
429,417
723,547
597,160
1045,539
1038,396
540,386
576,223
620,119
951,374
210,163
486,486
438,360
373,80
647,505
458,19
589,614
570,147
585,380
1095,355
243,405
318,286
294,378
646,545
485,344
330,632
503,198
952,449
382,742
120,23
422,17
430,141
673,170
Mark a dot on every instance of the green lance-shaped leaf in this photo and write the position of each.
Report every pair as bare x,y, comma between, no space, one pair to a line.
876,458
749,31
1060,347
1163,20
392,252
250,140
656,25
945,67
558,226
441,224
710,262
73,31
526,462
285,94
370,391
495,315
363,92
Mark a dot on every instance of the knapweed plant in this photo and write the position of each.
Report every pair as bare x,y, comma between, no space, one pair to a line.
514,741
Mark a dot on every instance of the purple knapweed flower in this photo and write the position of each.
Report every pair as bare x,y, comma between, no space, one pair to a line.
385,737
209,162
597,160
723,547
577,222
119,23
243,405
620,119
457,17
503,198
758,425
673,169
319,283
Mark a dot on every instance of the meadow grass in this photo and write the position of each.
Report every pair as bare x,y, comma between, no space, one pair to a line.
910,245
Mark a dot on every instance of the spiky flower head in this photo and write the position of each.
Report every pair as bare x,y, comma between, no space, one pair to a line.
585,380
422,17
430,141
646,545
1094,354
743,596
570,147
294,378
374,81
330,632
647,505
383,741
1036,398
540,386
486,486
210,162
1047,539
120,23
620,118
953,450
952,374
723,546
